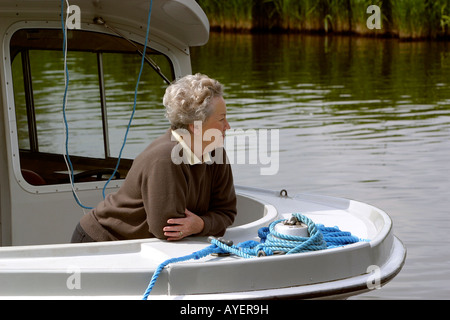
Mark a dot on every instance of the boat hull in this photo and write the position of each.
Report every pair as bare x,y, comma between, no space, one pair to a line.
123,269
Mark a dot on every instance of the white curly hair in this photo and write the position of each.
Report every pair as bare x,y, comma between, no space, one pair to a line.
189,99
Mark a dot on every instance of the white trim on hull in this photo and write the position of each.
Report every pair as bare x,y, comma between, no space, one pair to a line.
122,270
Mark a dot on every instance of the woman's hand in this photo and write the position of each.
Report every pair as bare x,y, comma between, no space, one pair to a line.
183,227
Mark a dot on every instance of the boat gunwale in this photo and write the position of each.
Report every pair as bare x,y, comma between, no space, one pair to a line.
339,288
130,246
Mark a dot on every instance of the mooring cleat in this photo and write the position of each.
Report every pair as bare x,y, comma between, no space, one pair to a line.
220,239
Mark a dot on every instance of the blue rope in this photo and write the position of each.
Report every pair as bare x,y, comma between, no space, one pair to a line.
272,242
131,117
135,98
337,238
196,255
64,108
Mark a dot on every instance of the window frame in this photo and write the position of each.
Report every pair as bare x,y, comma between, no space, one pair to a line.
34,146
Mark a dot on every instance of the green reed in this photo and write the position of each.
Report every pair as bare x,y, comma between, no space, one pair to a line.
402,18
418,19
229,14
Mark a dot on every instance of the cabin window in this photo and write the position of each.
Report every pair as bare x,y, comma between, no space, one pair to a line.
103,70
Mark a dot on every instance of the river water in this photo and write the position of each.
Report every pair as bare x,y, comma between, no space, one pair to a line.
359,118
365,119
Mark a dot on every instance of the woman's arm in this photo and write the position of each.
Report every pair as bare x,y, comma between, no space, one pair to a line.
164,192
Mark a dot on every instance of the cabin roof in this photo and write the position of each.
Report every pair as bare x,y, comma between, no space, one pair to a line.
180,22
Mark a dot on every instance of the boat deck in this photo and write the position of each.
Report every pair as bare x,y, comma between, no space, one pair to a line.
124,268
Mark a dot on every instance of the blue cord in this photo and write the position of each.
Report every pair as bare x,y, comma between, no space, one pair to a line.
195,255
135,98
64,109
132,114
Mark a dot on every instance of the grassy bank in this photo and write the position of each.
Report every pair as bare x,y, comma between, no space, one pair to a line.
411,19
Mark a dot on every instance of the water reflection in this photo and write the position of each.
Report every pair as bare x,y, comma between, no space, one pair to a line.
354,88
83,110
359,118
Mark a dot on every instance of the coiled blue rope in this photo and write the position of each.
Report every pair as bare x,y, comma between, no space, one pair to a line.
272,242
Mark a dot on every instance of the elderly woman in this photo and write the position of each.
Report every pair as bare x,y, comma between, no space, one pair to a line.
167,198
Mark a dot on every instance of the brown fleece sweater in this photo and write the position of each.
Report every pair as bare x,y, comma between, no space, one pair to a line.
156,189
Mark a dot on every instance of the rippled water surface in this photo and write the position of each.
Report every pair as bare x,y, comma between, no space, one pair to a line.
358,118
363,119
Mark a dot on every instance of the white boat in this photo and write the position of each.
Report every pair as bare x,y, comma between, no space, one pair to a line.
38,211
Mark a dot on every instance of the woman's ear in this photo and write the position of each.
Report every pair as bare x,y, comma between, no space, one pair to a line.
191,127
195,128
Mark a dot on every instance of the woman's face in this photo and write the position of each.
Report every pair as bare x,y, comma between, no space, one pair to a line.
214,128
218,119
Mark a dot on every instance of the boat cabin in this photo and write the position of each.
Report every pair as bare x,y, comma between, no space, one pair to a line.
38,129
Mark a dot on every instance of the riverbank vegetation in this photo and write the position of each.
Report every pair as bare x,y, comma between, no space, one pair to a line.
406,19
